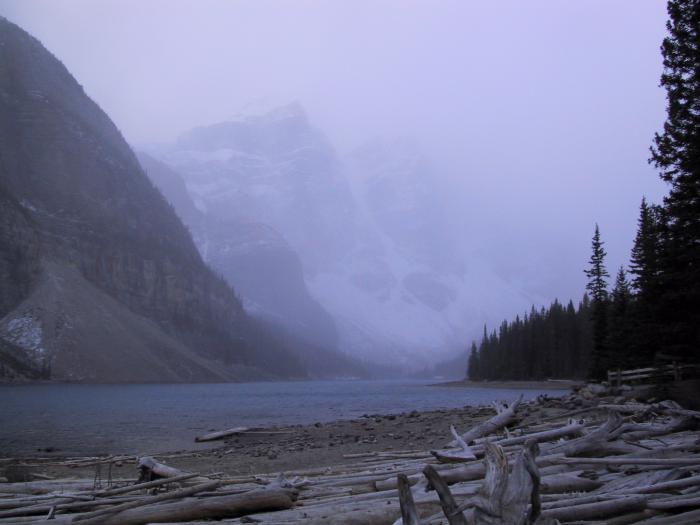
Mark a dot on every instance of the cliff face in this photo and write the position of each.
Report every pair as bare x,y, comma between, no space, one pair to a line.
100,279
19,251
264,270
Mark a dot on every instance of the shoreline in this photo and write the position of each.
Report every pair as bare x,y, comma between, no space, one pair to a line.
276,448
550,384
347,472
176,413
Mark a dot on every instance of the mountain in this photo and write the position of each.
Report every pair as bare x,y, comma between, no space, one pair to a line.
376,231
412,266
266,274
275,169
100,279
254,258
404,200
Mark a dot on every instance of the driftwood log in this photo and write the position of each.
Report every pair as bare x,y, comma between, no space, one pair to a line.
206,508
505,415
220,434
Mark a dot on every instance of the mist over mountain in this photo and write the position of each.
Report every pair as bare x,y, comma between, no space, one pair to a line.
412,193
268,167
265,273
101,280
378,242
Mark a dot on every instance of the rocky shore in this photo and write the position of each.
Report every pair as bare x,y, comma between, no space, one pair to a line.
593,447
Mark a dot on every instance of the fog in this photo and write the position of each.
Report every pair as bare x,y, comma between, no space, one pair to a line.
535,116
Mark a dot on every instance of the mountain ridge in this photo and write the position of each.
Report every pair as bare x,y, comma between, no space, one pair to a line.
266,273
81,211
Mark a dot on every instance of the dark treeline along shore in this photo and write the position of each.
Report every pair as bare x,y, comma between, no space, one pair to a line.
652,313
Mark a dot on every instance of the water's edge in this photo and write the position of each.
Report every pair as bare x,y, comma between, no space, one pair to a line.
68,419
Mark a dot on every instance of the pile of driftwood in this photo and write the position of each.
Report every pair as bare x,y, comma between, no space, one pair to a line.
609,460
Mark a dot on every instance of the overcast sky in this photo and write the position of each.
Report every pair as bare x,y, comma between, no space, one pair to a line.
542,112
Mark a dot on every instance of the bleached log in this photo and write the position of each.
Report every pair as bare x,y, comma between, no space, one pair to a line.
524,484
98,517
639,482
572,428
220,434
504,498
424,500
150,469
572,482
675,503
575,499
464,453
596,440
191,509
598,510
692,481
629,518
636,431
629,408
507,499
669,462
472,471
13,503
35,510
686,518
148,465
143,486
449,505
282,482
46,487
505,414
372,513
409,514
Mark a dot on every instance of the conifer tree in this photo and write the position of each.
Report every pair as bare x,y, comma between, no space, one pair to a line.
550,342
619,348
598,287
644,270
644,260
676,153
473,372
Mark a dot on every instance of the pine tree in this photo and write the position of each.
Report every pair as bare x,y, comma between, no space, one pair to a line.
644,270
644,260
598,287
473,371
597,274
619,348
676,153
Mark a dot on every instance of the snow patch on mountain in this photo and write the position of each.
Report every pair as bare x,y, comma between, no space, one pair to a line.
26,332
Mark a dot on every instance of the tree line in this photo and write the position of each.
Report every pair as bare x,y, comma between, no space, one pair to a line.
651,310
551,342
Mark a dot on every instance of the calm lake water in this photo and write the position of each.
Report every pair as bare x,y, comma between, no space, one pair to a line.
108,419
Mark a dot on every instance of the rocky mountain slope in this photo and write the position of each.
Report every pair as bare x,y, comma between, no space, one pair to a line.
265,272
100,279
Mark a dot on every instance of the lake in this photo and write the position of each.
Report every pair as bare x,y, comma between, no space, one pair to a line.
77,419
